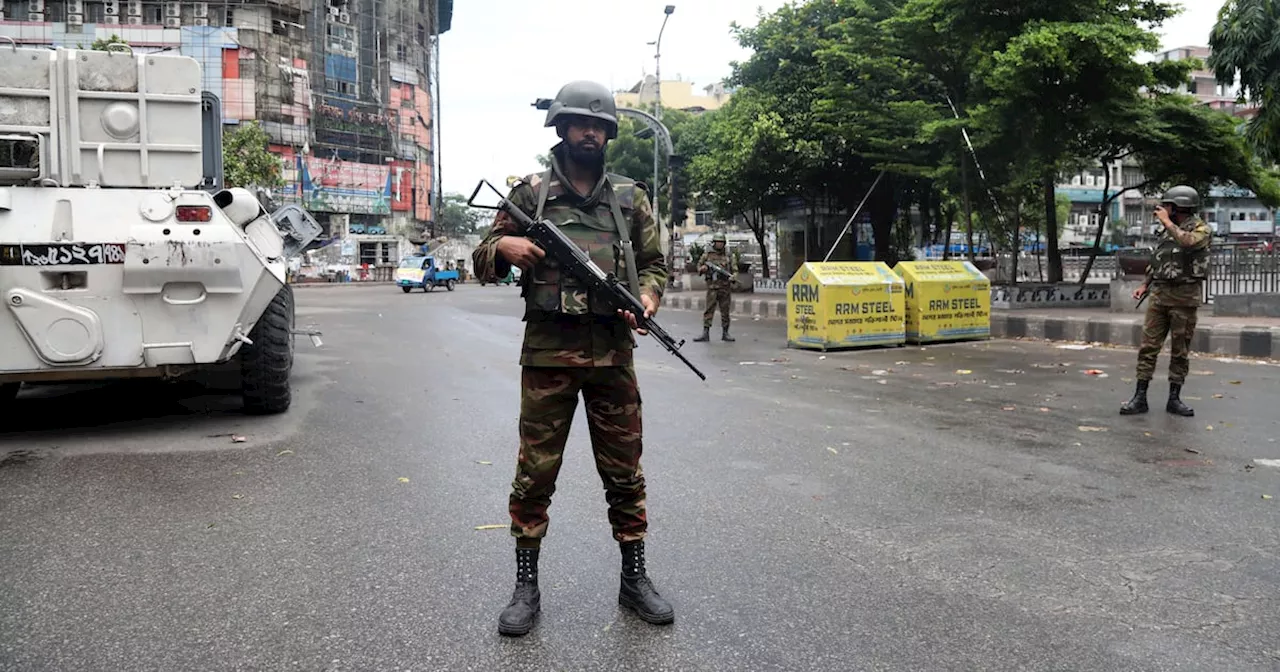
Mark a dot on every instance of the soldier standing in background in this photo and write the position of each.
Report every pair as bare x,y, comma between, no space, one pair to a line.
1175,277
574,343
718,288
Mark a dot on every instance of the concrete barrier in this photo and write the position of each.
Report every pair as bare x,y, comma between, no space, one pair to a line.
1246,305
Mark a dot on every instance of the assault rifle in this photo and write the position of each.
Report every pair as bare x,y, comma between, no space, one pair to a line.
573,260
716,270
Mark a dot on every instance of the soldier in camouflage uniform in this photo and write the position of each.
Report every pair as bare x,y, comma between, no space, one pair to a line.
1179,265
573,343
718,288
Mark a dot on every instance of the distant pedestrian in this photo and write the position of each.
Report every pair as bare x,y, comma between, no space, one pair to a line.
1175,278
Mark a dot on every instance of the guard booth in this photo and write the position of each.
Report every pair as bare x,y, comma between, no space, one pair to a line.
945,301
845,304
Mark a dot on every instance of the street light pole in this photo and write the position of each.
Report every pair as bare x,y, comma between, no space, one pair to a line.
657,112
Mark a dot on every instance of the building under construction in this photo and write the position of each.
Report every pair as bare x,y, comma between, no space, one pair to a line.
347,90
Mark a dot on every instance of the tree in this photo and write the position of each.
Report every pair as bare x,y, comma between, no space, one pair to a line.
1057,85
247,161
456,218
1243,45
745,142
1176,141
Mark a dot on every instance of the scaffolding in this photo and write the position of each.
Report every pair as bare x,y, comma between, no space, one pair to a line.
346,90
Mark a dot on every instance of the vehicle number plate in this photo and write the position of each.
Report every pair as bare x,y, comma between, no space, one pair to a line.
60,254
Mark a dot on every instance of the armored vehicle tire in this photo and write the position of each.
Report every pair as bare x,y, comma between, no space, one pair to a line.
265,366
448,284
8,392
406,289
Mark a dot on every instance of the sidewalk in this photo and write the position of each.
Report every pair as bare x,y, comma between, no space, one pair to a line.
1227,336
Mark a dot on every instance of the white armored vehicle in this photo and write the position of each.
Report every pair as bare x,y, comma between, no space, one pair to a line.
121,255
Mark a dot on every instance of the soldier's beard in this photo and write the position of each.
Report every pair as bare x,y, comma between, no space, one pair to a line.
589,158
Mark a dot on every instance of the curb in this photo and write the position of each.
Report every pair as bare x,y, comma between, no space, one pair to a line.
1231,340
752,308
335,285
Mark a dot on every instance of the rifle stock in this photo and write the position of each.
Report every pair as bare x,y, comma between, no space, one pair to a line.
574,260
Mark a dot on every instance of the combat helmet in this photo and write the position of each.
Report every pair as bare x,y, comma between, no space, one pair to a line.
719,237
587,99
1182,196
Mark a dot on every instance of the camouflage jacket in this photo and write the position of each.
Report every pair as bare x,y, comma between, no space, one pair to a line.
720,259
552,339
1177,271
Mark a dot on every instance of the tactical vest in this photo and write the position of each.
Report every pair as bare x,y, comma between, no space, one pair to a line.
1173,263
597,231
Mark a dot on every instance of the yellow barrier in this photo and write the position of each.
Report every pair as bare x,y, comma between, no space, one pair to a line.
845,304
946,301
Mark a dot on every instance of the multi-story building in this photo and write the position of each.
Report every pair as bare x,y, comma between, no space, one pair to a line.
677,94
343,88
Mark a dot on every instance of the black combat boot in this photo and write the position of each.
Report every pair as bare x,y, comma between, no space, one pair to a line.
1175,404
724,335
1138,404
706,335
517,619
637,591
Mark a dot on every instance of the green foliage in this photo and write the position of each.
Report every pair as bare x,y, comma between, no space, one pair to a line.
101,44
1244,46
456,218
247,161
838,93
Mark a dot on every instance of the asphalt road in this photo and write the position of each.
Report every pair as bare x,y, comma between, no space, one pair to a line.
976,506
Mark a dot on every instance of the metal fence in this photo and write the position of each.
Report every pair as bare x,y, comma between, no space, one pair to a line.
1242,268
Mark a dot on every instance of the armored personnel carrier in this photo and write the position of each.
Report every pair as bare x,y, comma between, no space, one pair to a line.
121,254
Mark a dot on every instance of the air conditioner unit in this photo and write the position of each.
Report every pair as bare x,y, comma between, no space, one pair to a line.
134,7
111,7
113,20
202,22
344,17
135,21
172,22
35,7
172,9
75,7
333,11
75,19
36,17
202,9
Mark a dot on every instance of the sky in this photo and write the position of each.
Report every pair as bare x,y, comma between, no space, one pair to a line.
501,55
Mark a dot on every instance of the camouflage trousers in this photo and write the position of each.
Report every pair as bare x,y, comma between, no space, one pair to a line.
1179,324
547,405
717,298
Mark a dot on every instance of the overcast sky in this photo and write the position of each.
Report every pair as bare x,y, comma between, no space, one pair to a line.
500,55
